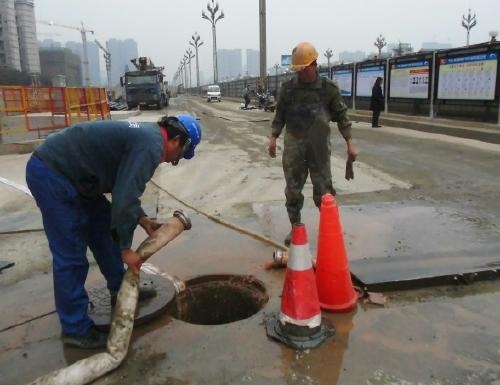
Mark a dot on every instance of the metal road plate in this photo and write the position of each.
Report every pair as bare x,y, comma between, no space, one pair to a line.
100,304
402,245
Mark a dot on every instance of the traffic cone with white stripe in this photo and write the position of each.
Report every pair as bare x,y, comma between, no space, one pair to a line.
299,323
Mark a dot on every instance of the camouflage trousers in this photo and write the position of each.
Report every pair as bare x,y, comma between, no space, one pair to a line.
302,157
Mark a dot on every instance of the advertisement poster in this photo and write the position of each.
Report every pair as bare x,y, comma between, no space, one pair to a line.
344,80
286,60
366,79
410,80
468,77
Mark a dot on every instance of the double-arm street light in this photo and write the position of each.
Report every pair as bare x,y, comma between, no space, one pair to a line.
189,56
196,43
328,55
213,18
468,23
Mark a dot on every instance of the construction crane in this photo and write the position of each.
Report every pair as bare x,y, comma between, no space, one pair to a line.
83,32
107,60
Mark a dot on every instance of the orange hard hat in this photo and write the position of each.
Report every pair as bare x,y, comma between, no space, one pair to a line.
303,55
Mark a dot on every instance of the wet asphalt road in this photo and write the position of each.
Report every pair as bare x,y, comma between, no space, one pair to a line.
443,335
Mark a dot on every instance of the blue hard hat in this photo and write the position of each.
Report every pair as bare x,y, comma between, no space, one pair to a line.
193,129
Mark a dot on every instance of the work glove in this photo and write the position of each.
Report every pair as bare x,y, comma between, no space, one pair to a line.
349,171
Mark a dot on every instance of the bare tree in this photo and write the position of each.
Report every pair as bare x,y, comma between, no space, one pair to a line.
380,43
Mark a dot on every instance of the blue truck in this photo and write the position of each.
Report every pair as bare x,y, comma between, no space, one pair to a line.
144,87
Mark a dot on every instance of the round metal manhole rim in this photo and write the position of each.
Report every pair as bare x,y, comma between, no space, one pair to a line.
219,299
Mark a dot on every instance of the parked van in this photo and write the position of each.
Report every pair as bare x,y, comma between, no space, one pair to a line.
213,93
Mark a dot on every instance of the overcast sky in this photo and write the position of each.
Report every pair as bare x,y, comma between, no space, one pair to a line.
163,28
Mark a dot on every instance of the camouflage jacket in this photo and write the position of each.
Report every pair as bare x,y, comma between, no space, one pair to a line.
308,108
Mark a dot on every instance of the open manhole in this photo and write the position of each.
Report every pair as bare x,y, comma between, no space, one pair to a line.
219,299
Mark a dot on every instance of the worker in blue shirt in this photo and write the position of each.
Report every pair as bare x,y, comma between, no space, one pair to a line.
68,176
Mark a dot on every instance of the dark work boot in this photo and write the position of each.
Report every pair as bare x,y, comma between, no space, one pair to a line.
92,339
288,239
146,290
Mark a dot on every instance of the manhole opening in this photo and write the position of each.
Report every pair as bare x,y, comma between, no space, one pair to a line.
219,299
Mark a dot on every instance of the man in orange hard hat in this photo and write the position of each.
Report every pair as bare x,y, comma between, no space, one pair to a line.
306,105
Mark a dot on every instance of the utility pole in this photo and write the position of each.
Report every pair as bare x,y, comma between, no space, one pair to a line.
380,43
262,42
213,19
196,43
107,60
468,23
83,33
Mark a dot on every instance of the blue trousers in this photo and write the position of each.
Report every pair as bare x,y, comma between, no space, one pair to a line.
72,223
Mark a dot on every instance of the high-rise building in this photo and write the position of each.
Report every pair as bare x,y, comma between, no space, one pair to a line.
93,57
351,56
49,43
122,51
433,45
26,31
9,40
229,63
253,62
57,62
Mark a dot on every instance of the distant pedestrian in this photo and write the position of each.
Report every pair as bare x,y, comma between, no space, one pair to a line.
246,96
377,101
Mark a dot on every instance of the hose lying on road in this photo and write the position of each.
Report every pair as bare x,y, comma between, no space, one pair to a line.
222,222
89,369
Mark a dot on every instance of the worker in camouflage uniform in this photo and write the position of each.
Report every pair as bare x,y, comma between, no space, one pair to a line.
306,105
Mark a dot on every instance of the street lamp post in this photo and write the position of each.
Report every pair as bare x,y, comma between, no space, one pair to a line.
189,55
468,23
213,18
328,55
276,68
380,43
185,61
196,43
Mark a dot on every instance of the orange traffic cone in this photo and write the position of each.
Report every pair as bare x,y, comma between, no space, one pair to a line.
299,322
333,279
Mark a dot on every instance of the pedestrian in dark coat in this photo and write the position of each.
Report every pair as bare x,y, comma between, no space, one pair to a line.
377,101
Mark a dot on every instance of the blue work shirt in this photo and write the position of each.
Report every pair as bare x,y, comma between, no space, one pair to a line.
116,157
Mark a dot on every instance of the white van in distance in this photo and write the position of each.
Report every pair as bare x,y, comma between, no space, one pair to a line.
213,93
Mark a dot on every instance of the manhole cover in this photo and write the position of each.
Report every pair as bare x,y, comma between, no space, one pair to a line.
219,299
147,309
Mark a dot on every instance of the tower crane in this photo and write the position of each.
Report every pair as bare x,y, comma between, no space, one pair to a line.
83,31
107,60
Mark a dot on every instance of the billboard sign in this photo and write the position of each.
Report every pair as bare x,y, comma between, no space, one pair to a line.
410,80
366,77
343,78
470,77
286,60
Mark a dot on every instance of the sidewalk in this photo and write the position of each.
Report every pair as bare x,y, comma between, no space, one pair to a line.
486,132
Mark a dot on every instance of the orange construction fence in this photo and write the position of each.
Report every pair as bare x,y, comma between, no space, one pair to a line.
38,109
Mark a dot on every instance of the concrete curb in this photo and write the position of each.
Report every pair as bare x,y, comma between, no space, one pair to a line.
488,135
19,147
